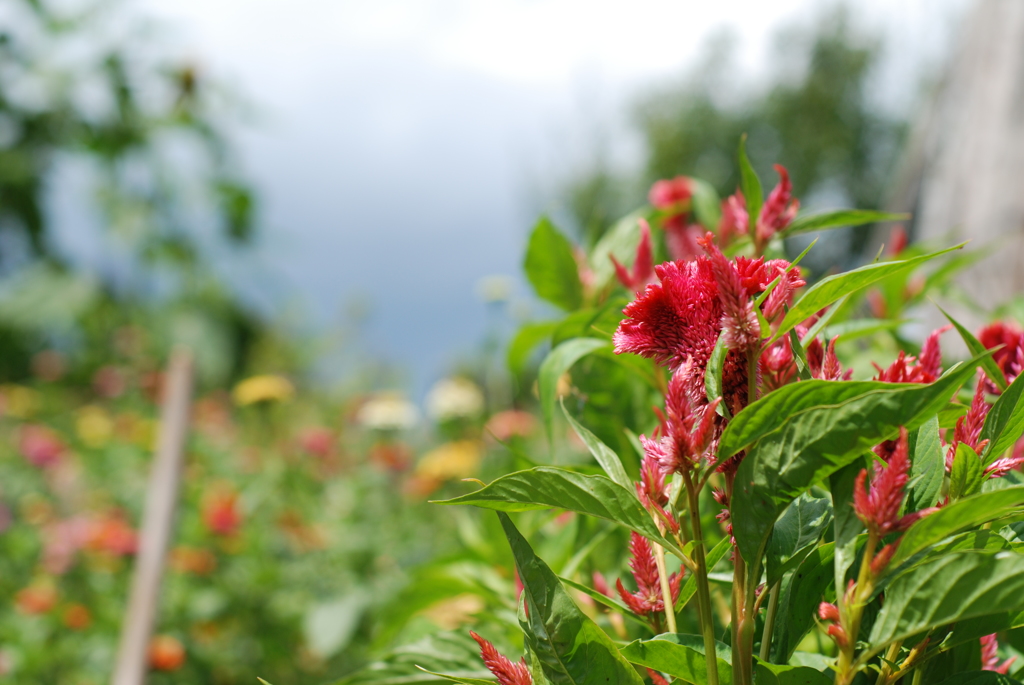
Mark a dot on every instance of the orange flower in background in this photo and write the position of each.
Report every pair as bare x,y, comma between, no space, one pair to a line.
195,560
77,617
166,653
221,514
38,598
111,534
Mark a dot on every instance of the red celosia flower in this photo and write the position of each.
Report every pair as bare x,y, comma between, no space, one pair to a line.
1011,357
829,368
600,584
897,241
220,512
778,210
1000,467
671,193
968,426
828,612
647,599
681,238
878,507
904,369
656,677
40,445
884,556
676,319
643,265
689,426
931,353
734,218
507,672
990,655
652,488
777,364
739,322
680,317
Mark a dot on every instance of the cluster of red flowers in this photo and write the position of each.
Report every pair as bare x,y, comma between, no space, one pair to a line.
681,311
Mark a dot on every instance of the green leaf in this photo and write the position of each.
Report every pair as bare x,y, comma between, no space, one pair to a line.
750,184
707,207
621,240
713,373
454,653
859,328
829,289
802,592
837,218
967,474
961,515
329,625
795,533
790,401
547,487
949,588
551,268
822,321
847,526
975,347
604,454
609,602
782,674
570,648
808,446
1004,424
458,679
689,588
680,656
558,361
928,464
526,341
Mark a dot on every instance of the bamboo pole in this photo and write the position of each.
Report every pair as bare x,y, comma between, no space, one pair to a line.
157,523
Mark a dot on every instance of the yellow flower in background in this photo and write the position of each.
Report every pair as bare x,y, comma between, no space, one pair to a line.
451,461
94,426
264,388
19,401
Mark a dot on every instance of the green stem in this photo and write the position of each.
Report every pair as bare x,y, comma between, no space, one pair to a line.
666,590
851,613
769,622
885,672
707,624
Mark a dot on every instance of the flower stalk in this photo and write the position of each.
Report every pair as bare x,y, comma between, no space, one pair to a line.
701,574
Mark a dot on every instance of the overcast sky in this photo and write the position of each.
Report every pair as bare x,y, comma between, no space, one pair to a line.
399,143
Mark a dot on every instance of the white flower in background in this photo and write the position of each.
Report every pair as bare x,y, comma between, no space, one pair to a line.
388,411
454,398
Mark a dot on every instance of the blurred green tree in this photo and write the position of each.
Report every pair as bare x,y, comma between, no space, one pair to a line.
814,114
80,91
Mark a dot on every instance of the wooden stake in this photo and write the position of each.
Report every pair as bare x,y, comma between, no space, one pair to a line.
157,523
